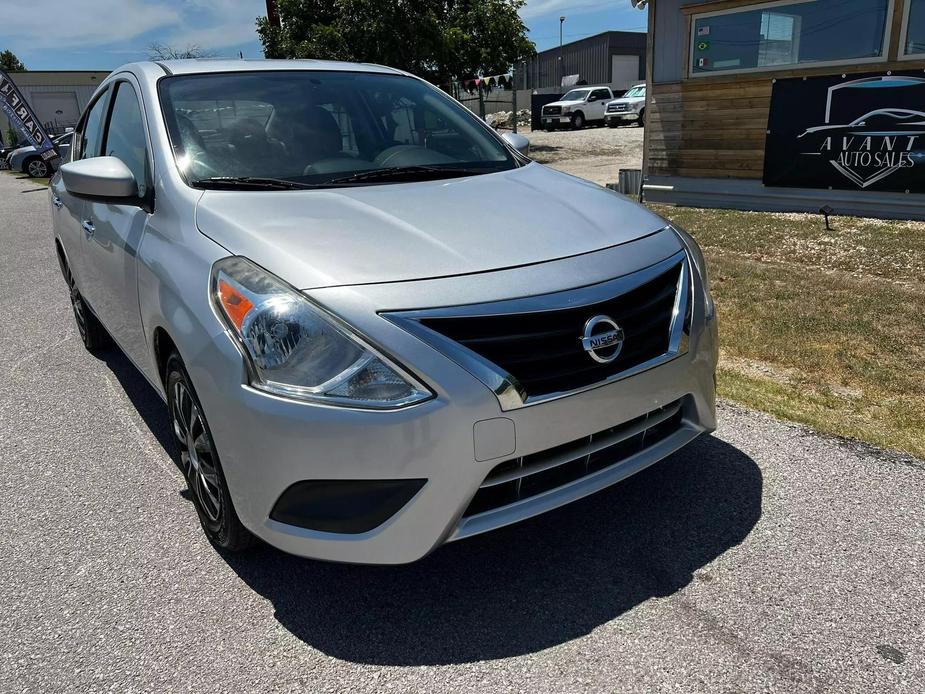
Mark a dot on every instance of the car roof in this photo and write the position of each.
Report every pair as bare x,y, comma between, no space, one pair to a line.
195,66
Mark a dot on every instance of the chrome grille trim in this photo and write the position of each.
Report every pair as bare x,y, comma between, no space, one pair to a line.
510,393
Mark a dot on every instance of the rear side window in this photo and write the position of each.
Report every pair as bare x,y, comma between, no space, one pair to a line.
92,130
125,136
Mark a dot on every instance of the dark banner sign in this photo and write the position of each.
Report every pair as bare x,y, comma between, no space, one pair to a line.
23,118
857,132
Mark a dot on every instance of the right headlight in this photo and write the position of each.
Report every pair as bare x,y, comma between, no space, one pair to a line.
700,264
294,349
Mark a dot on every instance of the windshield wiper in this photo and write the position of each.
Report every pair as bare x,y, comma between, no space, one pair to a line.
407,173
251,183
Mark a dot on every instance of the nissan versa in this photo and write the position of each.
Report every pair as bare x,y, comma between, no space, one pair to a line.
377,325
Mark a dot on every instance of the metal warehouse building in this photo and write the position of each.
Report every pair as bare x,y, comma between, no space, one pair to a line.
614,58
57,97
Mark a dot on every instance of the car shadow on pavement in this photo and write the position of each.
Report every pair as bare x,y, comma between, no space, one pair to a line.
524,588
516,590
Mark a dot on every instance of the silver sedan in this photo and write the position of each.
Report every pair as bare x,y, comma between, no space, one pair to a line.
378,326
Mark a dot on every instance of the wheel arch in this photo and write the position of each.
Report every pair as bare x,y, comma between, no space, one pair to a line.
164,346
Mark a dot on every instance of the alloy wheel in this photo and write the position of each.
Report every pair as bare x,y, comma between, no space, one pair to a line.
197,454
77,304
37,168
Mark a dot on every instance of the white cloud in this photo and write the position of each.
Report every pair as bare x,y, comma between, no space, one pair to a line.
107,24
538,8
216,24
57,24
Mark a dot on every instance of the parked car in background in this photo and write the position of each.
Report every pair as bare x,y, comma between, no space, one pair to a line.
629,107
5,151
27,161
577,108
361,359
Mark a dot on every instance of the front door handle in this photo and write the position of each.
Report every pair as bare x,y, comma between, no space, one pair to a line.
56,201
88,227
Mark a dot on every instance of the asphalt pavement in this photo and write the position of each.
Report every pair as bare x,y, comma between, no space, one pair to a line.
762,558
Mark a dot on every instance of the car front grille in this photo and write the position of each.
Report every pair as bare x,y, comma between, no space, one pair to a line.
529,476
543,351
552,110
615,108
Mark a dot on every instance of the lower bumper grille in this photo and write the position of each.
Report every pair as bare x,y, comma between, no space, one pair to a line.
528,476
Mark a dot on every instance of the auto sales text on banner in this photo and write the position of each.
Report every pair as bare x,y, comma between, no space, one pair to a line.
23,118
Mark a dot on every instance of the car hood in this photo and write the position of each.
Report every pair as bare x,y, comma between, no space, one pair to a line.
411,231
22,150
564,103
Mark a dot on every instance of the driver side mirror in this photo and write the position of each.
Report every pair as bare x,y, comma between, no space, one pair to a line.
518,142
592,98
99,177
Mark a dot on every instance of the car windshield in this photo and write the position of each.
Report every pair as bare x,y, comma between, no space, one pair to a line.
576,95
636,91
322,127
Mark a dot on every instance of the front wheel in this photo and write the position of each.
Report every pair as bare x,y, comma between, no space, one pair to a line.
200,463
578,121
641,121
37,168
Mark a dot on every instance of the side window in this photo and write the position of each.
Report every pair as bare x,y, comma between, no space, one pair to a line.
92,129
602,94
125,135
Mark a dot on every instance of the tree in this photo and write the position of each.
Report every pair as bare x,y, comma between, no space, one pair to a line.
160,51
439,40
10,63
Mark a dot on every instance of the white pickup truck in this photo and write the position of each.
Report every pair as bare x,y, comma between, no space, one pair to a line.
576,108
630,106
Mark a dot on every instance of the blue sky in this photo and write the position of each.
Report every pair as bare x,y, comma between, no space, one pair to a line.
103,34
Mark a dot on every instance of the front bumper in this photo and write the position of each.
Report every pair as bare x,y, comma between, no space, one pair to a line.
267,443
620,116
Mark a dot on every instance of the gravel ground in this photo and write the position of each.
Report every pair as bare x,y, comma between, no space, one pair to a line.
763,558
594,153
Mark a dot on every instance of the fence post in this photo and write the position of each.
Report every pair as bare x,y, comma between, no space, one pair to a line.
514,97
481,103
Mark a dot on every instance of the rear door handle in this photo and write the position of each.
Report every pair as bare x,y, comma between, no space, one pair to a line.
56,201
88,227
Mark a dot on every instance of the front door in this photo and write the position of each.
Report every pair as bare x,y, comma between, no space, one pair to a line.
113,230
68,211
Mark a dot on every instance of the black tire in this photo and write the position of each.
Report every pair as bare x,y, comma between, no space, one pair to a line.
92,332
36,167
200,463
612,124
641,121
578,121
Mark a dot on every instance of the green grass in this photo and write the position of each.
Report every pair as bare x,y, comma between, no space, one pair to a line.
826,328
22,176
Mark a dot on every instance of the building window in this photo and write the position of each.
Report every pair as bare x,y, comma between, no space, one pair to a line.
914,29
785,34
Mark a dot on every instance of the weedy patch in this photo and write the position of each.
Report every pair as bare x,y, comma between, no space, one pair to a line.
823,327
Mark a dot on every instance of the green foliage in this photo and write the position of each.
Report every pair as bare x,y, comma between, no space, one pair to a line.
10,63
439,40
12,137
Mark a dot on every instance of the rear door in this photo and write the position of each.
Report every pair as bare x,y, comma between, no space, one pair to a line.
68,211
115,228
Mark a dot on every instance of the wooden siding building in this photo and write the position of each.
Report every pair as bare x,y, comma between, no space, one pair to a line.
712,70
